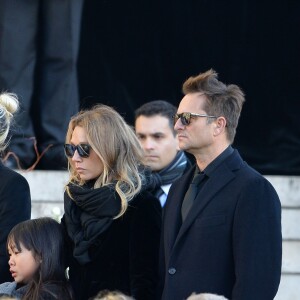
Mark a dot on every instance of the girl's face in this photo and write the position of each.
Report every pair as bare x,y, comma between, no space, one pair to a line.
87,167
22,264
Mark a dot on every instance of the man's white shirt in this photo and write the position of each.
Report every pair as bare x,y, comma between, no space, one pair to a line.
163,197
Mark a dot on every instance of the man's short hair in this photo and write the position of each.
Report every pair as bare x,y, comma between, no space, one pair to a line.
221,99
158,107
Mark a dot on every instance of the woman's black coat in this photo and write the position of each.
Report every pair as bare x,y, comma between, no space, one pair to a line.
15,207
126,257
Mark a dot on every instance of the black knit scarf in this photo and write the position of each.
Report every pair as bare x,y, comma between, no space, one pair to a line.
172,172
88,215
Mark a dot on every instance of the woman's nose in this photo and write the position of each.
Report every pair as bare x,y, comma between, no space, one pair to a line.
76,156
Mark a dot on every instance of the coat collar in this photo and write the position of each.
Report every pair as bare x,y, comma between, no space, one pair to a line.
221,177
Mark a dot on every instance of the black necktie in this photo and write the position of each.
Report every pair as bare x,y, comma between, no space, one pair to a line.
191,194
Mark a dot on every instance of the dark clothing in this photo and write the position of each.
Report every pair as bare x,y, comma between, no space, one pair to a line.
194,188
122,257
11,289
15,207
217,161
173,171
39,46
169,174
230,242
88,214
49,291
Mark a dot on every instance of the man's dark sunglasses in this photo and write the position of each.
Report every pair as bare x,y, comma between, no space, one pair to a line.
82,149
185,117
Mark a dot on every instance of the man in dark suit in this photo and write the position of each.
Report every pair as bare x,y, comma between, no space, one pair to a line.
155,131
226,239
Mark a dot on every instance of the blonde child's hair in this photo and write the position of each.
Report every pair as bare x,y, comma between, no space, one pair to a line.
9,104
112,295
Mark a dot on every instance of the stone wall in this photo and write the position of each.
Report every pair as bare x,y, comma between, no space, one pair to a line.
288,189
47,189
47,200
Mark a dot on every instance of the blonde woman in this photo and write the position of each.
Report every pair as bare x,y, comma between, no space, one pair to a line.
112,222
15,203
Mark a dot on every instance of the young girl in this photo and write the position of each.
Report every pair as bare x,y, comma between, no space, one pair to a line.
112,223
36,262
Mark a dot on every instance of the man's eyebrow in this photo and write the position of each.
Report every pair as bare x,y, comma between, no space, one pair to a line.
158,133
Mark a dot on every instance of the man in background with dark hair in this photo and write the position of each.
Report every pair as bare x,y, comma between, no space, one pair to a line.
222,221
155,130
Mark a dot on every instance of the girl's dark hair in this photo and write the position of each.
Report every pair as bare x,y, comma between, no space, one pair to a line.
44,237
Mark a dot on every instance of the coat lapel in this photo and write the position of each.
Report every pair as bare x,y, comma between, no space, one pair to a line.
173,209
220,178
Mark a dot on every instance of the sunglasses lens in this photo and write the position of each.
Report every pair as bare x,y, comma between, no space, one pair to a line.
185,118
83,150
69,150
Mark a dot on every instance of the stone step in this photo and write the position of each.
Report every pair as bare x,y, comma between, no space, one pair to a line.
288,189
47,190
289,288
46,186
291,257
291,224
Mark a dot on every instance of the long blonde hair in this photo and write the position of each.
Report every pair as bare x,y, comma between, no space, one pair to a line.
116,144
9,104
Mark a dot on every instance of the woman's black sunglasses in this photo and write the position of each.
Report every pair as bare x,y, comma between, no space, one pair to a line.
82,149
186,117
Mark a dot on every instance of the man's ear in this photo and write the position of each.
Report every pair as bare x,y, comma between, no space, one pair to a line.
220,124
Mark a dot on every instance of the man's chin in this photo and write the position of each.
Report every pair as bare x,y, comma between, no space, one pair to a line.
183,147
153,166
